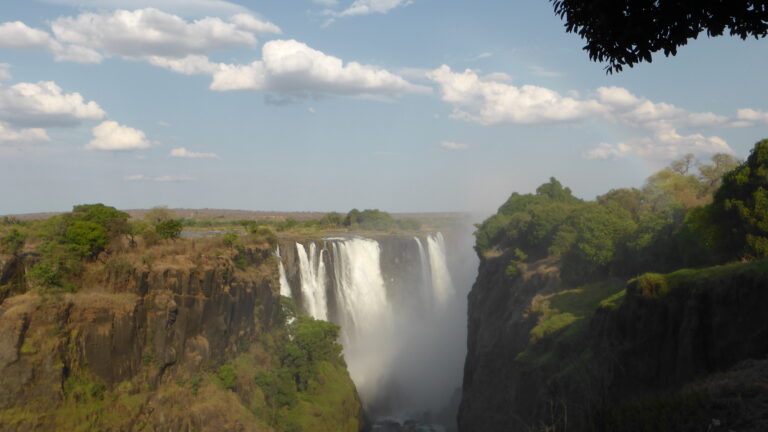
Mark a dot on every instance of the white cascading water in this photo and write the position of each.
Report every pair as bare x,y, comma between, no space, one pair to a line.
404,352
313,280
364,311
285,287
442,285
426,274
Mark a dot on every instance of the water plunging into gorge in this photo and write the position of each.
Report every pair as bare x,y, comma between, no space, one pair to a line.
400,302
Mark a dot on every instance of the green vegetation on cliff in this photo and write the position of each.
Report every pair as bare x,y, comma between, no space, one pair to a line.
594,352
126,327
310,389
665,225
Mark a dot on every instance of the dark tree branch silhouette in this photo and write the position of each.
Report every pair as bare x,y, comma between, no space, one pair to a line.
626,32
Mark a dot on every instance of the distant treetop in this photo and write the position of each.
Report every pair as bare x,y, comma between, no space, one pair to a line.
626,32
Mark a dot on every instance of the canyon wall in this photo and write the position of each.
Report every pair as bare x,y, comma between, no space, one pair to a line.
684,351
166,342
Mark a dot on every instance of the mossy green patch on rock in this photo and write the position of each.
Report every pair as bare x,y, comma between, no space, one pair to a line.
562,309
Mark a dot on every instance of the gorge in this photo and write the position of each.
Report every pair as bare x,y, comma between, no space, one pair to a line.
400,302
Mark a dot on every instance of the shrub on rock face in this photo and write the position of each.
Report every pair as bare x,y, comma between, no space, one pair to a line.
12,241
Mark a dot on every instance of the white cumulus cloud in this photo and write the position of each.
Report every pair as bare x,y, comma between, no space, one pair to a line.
367,7
250,22
623,107
189,65
159,179
490,102
186,7
10,135
5,75
16,34
112,136
654,127
20,36
292,67
148,32
181,152
660,122
752,115
450,145
661,146
45,104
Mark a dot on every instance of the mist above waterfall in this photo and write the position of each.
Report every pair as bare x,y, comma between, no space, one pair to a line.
401,305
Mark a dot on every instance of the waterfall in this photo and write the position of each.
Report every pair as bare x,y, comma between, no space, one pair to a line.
426,274
313,280
401,318
360,289
442,285
285,287
364,311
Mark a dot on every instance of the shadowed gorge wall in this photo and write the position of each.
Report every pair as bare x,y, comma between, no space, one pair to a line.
669,350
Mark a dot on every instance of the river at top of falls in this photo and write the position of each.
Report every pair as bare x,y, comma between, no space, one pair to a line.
402,324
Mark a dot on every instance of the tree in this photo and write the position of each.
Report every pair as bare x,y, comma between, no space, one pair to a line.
554,190
332,219
169,229
740,207
352,217
114,221
12,241
711,175
626,32
159,214
87,239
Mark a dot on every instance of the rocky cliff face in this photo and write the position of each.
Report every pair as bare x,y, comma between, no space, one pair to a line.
138,347
499,326
644,356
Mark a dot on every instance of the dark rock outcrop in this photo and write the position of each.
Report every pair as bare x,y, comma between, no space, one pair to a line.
632,360
139,329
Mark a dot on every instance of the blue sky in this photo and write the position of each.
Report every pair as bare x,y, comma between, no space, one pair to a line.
419,105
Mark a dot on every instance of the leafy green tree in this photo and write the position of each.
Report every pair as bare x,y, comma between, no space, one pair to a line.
114,221
228,376
669,187
409,224
711,174
352,217
332,219
137,228
740,207
87,239
157,215
12,241
555,191
229,239
599,231
169,229
626,32
632,200
287,224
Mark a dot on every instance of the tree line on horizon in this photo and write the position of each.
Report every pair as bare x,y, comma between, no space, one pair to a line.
689,214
